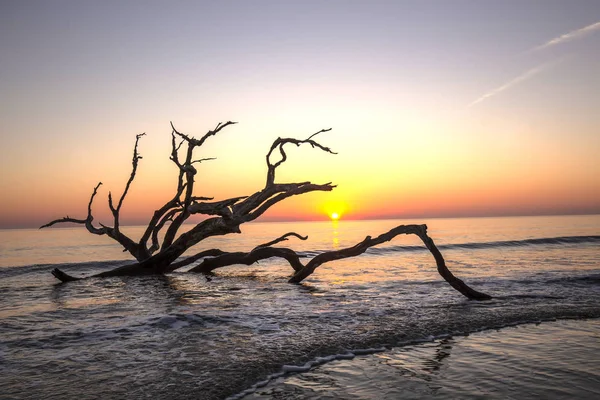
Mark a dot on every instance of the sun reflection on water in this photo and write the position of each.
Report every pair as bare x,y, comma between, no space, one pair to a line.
335,234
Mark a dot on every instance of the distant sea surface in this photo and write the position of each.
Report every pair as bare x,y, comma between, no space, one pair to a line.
383,325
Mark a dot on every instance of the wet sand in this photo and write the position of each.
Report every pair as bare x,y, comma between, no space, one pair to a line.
551,360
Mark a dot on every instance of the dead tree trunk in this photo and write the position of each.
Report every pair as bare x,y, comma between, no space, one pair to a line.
225,217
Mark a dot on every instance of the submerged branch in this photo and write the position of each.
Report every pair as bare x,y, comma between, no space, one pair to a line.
192,259
420,231
241,258
303,271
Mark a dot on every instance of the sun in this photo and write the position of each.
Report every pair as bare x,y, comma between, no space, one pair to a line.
334,209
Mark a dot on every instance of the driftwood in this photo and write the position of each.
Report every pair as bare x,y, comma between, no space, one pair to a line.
226,216
302,271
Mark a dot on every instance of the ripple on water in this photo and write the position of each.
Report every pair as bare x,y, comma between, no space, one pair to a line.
554,360
181,336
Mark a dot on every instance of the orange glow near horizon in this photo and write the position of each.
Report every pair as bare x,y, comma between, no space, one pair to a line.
418,192
334,208
406,168
422,125
526,185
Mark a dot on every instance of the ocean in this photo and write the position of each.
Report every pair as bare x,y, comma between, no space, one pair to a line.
383,325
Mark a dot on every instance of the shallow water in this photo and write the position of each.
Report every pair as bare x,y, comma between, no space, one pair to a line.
183,336
553,360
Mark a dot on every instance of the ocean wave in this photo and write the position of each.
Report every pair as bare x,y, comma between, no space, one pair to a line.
555,241
82,267
94,266
350,354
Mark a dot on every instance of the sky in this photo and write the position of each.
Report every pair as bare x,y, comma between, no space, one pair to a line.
437,108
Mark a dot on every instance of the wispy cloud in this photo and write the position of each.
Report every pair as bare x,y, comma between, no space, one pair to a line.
567,37
523,77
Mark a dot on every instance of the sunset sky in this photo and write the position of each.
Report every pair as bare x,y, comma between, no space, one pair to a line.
438,108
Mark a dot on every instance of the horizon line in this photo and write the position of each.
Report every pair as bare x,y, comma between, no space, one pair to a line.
372,218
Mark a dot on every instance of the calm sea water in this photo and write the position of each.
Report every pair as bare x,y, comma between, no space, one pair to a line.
181,336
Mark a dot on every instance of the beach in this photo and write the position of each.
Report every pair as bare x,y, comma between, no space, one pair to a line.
550,360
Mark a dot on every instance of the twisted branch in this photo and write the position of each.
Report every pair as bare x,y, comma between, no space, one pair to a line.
281,238
279,143
187,169
87,221
302,271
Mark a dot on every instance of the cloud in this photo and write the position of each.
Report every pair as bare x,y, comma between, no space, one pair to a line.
523,77
567,37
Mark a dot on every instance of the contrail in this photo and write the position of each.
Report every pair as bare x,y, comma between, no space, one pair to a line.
567,37
523,77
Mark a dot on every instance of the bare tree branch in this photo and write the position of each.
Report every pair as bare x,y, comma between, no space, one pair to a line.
279,143
420,231
134,163
168,217
303,271
281,238
64,219
221,258
153,228
87,221
189,171
197,143
203,159
203,198
292,190
191,259
135,159
222,208
260,253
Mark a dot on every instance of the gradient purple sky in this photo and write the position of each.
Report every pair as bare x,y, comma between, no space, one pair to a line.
439,108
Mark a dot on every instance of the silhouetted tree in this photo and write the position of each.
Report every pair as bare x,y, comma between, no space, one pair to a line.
159,256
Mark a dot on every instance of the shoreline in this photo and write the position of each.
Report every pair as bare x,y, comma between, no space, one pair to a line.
289,371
